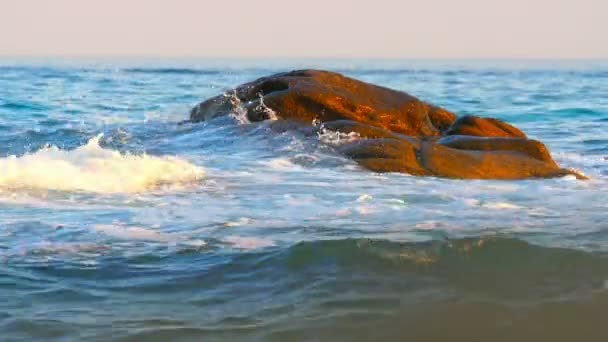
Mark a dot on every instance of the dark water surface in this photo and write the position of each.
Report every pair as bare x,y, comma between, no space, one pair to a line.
119,224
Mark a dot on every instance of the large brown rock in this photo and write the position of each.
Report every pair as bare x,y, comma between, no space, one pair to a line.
452,156
398,132
326,96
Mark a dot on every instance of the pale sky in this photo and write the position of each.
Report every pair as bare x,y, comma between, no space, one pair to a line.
305,28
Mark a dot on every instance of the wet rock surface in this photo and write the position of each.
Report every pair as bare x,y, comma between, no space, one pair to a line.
398,132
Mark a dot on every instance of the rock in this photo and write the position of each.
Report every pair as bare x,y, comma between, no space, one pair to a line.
386,155
483,127
397,132
531,148
326,96
454,157
489,164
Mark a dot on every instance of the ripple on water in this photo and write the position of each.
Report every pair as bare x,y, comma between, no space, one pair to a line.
229,230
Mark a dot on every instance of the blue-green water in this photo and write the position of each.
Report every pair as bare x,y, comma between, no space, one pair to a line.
117,223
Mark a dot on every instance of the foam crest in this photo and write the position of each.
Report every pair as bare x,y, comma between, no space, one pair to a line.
330,137
272,115
239,112
249,243
91,168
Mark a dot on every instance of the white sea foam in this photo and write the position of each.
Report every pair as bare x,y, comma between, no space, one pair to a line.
475,203
430,225
582,164
135,233
281,163
237,223
471,202
330,137
501,206
239,112
58,248
92,168
364,197
272,115
132,233
248,243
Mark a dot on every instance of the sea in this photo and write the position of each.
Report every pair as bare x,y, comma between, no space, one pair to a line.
121,222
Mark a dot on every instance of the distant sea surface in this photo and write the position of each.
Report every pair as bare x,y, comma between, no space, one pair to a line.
117,223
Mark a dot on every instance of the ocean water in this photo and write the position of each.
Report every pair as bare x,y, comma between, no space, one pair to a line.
118,223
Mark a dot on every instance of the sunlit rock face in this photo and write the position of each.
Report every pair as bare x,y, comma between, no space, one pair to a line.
397,131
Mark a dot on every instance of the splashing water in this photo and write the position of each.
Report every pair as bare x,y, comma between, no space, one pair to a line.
279,237
272,115
239,112
330,137
92,168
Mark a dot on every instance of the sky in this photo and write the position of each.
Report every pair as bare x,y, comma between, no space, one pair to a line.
417,29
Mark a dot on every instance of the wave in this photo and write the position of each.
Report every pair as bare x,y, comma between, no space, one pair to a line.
456,255
577,112
494,265
470,286
91,168
23,106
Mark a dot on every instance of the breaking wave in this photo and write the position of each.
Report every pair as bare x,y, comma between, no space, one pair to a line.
91,168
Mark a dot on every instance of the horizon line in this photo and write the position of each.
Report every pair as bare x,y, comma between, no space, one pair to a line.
286,58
